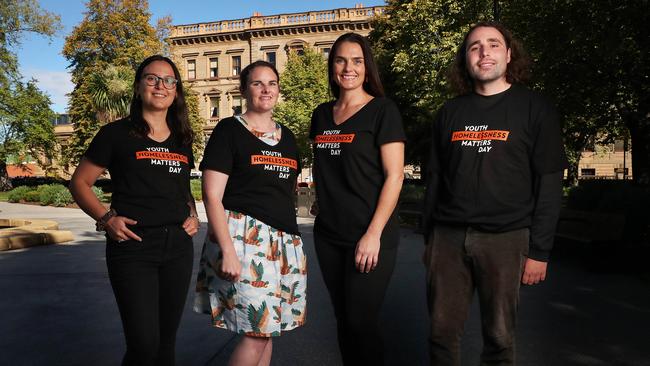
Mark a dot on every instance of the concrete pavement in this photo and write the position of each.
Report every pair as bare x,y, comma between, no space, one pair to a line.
57,308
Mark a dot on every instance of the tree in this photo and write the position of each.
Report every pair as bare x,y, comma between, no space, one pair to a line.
111,91
592,58
113,32
196,121
304,86
414,43
25,115
25,128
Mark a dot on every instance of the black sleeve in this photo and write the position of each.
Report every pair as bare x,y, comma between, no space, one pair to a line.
100,150
389,126
191,162
219,152
548,201
548,153
432,178
313,128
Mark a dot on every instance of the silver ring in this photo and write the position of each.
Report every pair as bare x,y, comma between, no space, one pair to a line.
120,240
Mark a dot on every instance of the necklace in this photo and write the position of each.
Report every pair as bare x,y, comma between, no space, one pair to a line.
270,135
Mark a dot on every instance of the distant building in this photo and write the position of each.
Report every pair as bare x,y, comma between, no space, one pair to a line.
211,55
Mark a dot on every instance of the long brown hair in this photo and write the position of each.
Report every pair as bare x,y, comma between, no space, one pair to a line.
177,117
517,70
372,84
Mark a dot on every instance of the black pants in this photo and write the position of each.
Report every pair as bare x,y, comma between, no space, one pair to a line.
461,260
357,298
150,280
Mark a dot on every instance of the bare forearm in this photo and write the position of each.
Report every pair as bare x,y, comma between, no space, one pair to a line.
218,224
86,199
388,198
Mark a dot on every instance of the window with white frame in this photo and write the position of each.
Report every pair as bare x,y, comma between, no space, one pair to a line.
191,69
214,67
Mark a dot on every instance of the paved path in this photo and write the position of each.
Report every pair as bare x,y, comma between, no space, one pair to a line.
57,308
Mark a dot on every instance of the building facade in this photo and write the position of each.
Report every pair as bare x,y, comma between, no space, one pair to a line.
211,55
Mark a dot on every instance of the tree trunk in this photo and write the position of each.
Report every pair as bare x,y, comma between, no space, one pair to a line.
5,181
572,171
639,127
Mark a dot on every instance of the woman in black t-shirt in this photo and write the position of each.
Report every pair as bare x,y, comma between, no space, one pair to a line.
253,272
152,218
358,166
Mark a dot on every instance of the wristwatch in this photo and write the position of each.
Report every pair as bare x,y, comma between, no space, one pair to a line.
100,225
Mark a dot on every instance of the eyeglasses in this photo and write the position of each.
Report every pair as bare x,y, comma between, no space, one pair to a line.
152,80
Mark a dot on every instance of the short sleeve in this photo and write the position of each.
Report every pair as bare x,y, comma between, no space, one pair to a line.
100,150
389,126
313,128
192,162
548,152
219,151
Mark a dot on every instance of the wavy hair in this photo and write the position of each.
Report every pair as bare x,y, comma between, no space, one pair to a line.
372,84
517,70
177,116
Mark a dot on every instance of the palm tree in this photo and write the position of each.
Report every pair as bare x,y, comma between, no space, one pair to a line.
111,90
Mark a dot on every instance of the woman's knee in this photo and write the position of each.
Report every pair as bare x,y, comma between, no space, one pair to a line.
256,344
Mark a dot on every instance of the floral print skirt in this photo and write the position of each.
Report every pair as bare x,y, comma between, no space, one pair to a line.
270,295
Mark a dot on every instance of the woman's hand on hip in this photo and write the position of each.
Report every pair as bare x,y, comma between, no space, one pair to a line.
191,225
116,228
366,255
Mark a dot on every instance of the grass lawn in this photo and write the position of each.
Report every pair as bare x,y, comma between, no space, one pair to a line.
3,196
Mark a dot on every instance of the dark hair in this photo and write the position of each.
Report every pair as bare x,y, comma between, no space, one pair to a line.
245,75
517,70
177,117
372,84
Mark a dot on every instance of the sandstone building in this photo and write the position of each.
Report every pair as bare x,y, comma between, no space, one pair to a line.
211,55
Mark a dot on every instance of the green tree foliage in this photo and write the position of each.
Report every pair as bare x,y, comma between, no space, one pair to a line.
25,127
113,32
414,43
25,115
196,121
111,90
592,57
303,85
16,18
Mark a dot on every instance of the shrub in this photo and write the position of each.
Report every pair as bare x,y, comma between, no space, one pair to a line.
616,197
17,194
412,193
32,196
100,194
54,194
195,187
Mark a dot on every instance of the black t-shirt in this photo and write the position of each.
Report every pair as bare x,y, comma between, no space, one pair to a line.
348,169
261,177
151,180
488,152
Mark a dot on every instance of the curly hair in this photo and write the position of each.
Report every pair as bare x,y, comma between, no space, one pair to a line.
177,115
517,70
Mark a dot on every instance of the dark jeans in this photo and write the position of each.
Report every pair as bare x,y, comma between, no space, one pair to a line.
150,281
356,298
463,259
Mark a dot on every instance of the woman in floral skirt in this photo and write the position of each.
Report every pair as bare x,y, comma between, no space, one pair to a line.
253,272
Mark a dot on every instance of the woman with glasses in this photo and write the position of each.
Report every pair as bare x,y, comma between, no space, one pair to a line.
253,272
152,218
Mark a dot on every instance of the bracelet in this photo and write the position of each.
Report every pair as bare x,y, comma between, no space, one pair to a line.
100,225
